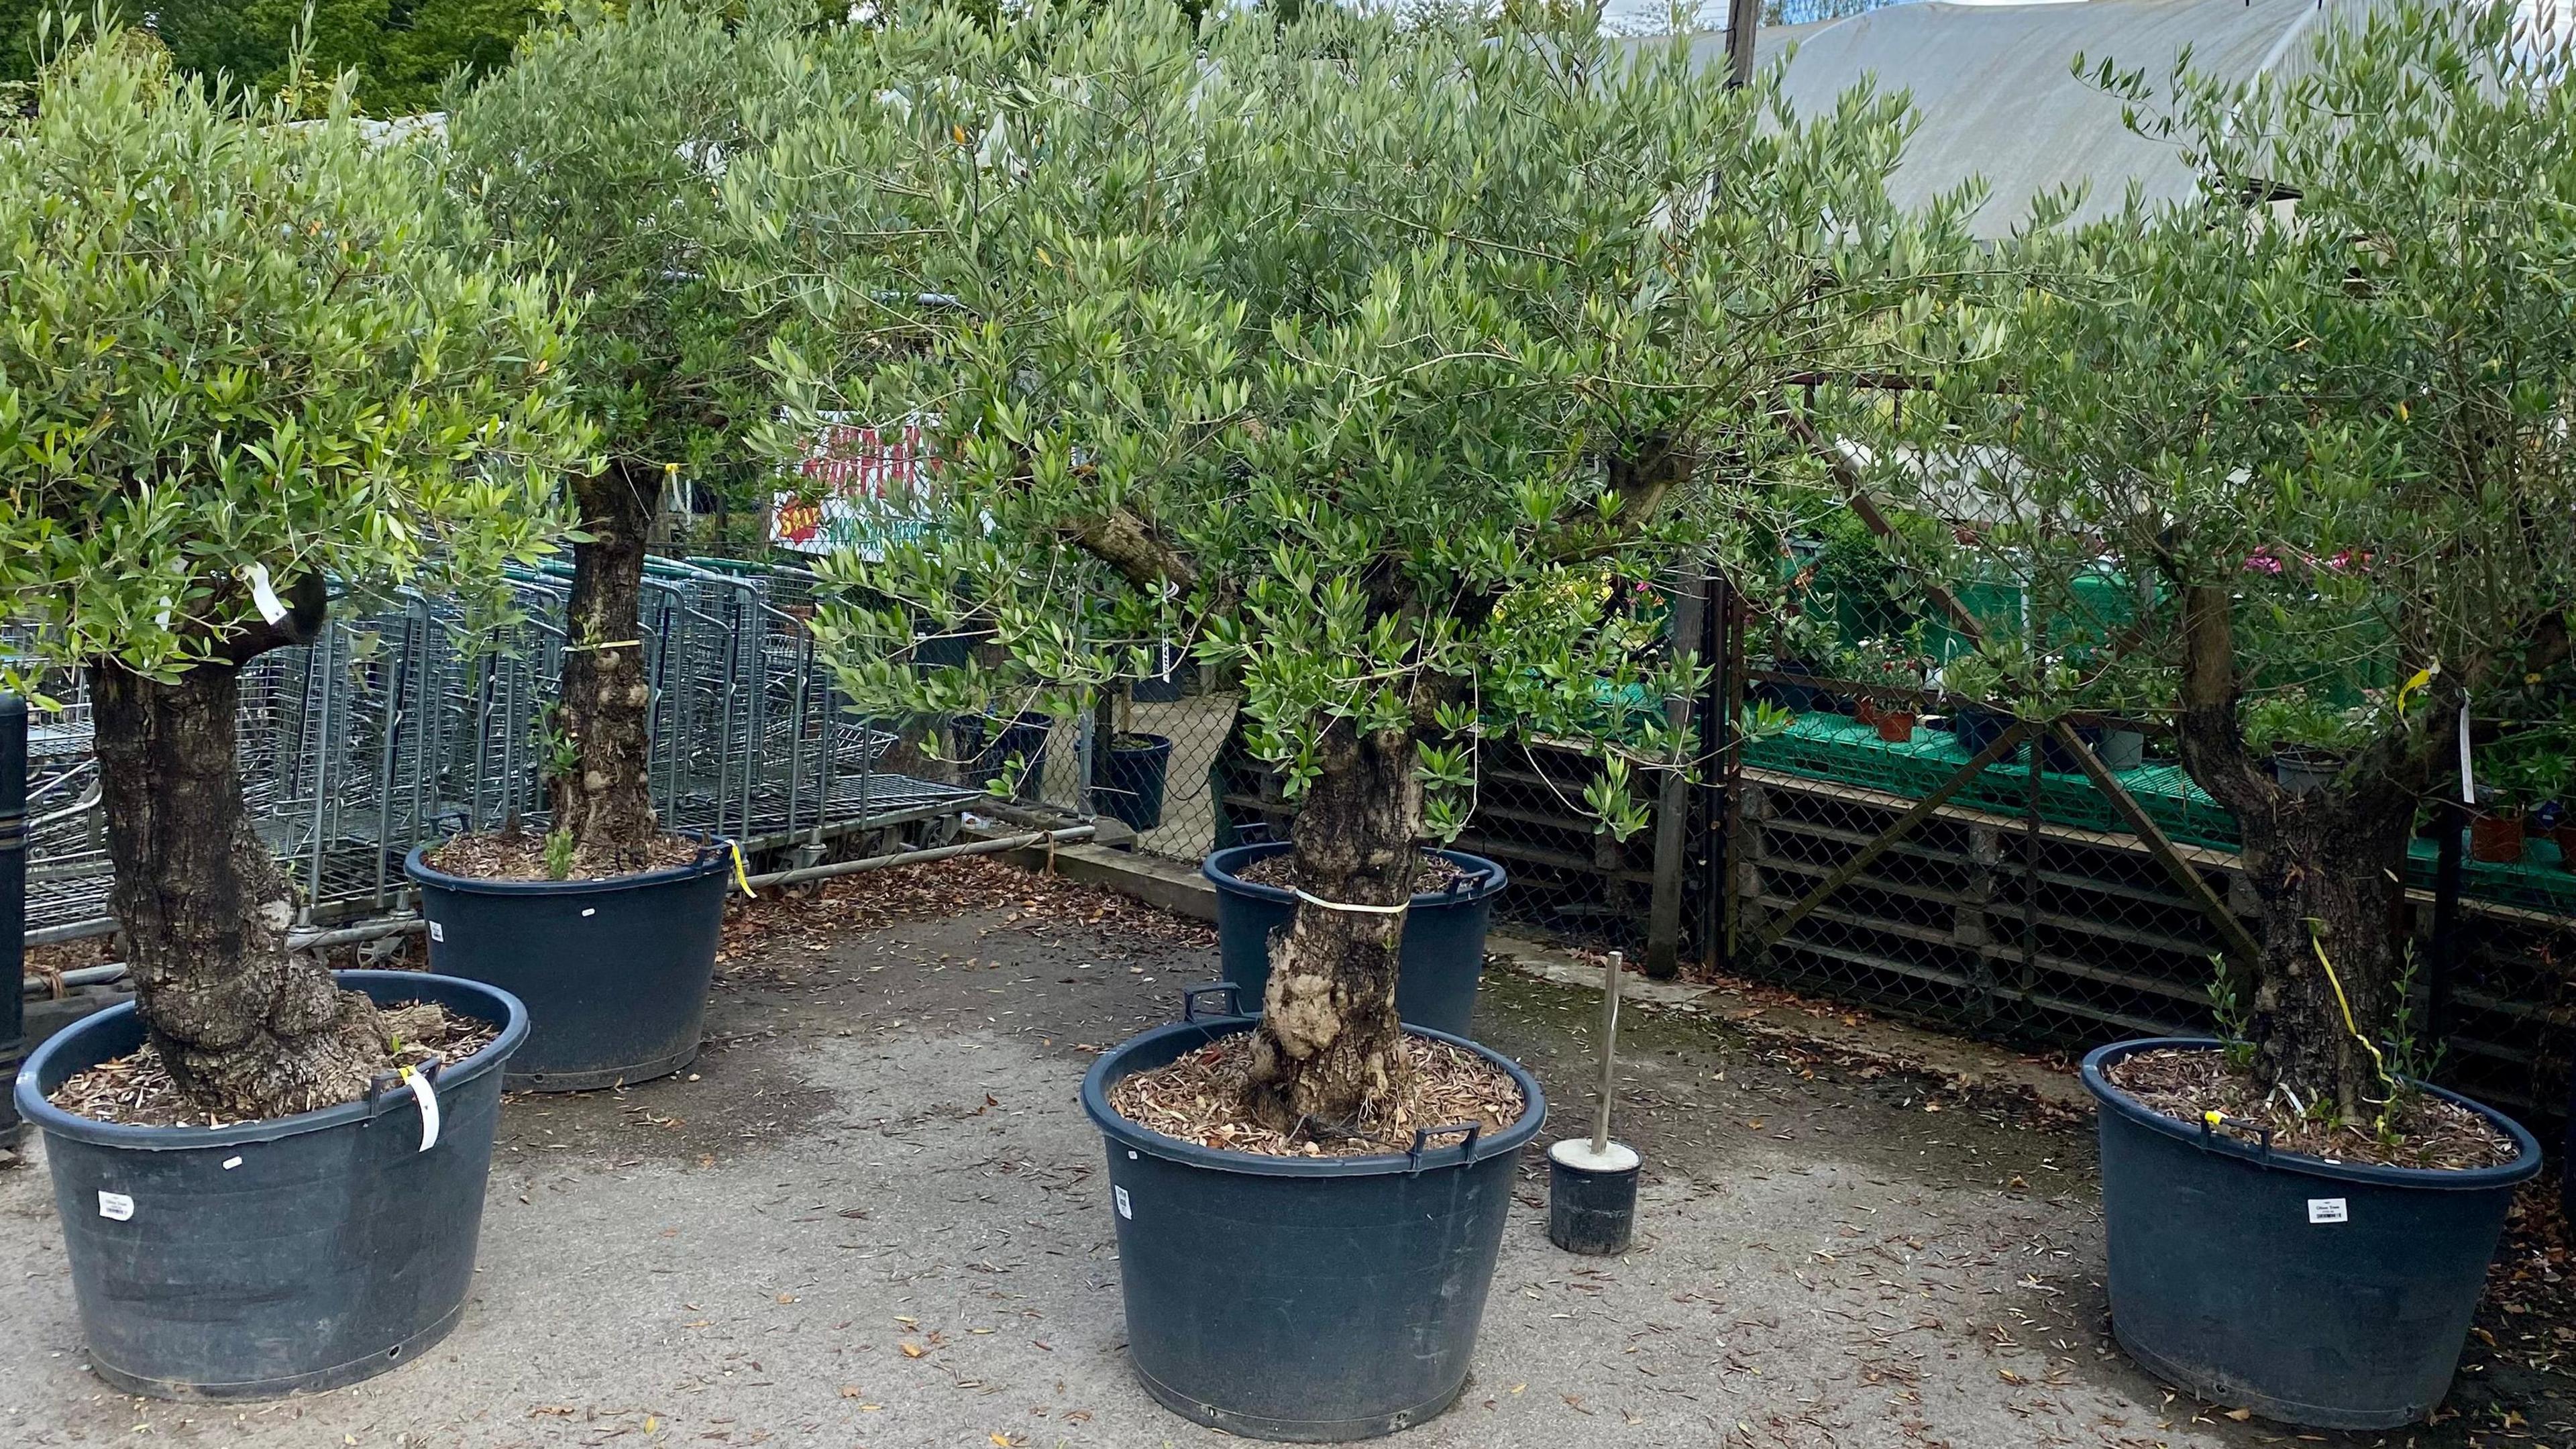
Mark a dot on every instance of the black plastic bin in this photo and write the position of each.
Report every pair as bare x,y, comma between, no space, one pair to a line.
2325,1294
1127,779
614,972
1315,1299
1443,955
295,1254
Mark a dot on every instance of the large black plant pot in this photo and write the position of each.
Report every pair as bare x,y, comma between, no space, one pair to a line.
990,742
1444,935
1127,779
614,972
1315,1299
290,1255
2326,1294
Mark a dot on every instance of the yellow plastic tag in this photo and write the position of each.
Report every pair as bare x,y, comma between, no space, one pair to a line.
741,877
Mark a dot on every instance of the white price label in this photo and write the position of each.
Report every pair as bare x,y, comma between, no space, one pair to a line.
263,594
115,1206
1126,1209
428,1100
2327,1210
437,932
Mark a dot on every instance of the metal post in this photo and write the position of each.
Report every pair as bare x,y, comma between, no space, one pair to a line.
1672,804
13,904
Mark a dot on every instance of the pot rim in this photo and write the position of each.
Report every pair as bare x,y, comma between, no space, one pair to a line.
1219,867
33,1107
2524,1166
1439,1153
713,855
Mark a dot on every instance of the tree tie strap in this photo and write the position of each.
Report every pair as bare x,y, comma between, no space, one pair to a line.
1315,900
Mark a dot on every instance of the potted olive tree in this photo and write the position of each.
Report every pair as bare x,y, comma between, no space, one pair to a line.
2329,425
604,146
1301,343
240,371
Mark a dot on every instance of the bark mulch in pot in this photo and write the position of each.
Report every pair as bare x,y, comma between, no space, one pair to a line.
1433,872
136,1089
1198,1098
2184,1083
521,855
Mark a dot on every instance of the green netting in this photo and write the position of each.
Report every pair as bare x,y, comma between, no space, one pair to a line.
1840,749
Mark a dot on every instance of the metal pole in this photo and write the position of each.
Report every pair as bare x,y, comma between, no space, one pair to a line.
13,903
1609,1056
1066,836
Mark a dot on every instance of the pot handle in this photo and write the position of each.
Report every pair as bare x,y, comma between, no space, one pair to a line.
2210,1122
1232,993
1423,1135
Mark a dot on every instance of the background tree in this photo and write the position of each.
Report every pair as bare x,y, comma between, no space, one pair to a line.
1369,357
2317,415
604,146
237,373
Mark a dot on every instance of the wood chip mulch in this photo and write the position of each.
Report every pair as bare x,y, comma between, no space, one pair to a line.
1197,1100
521,855
2183,1083
817,914
136,1090
1432,874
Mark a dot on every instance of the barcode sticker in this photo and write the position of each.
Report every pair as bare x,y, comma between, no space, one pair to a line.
437,932
1126,1209
2327,1210
115,1206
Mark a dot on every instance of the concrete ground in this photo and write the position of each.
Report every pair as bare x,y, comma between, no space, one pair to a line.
871,1217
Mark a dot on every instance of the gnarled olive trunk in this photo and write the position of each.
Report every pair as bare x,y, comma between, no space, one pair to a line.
606,798
1329,1052
248,1030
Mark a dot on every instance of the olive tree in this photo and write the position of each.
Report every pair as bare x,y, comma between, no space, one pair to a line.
237,369
2317,415
603,146
1367,356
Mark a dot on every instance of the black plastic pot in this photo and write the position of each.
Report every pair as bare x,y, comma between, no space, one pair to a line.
994,742
1592,1198
1127,779
1163,687
296,1254
1314,1299
1444,935
2326,1294
1975,726
614,972
2057,759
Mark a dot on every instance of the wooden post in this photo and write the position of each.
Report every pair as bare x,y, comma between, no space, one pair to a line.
1742,18
1673,800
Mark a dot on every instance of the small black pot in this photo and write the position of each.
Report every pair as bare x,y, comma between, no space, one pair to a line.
2327,1294
2059,760
1314,1299
1127,779
292,1255
614,972
1437,968
1976,726
1165,687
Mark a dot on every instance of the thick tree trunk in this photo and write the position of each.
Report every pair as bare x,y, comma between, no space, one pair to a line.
1328,1055
606,799
248,1030
2327,868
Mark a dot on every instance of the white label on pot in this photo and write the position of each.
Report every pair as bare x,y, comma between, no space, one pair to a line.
437,932
231,1162
2327,1210
1126,1209
590,910
428,1100
115,1206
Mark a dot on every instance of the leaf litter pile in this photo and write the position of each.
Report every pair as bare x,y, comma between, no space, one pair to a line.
135,1090
1196,1099
2432,1132
1431,874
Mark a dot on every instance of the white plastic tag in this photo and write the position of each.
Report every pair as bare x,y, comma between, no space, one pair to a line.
1126,1209
437,932
2327,1210
2468,784
263,596
428,1100
115,1206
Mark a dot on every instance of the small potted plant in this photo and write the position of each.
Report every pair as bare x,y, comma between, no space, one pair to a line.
2307,739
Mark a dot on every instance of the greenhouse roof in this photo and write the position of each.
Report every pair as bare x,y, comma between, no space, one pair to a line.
1997,98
